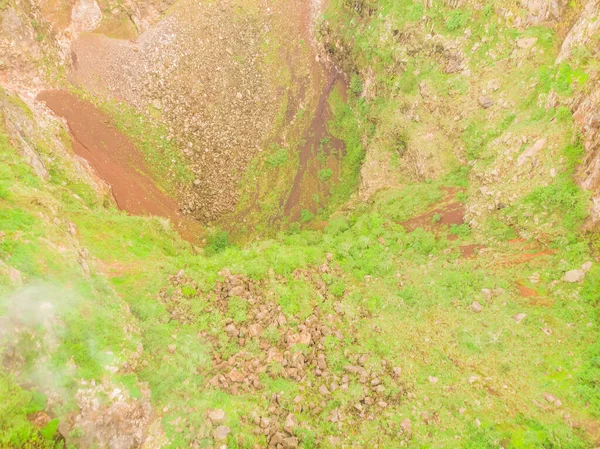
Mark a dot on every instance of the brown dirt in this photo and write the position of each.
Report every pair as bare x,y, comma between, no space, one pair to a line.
520,259
527,292
306,182
451,213
324,78
116,160
469,251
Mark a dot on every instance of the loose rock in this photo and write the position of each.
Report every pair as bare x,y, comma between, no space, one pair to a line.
485,102
221,433
217,416
574,276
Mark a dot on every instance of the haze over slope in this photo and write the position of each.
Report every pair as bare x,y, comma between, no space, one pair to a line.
282,224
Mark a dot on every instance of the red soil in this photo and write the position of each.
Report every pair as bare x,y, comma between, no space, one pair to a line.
115,159
468,251
450,212
527,292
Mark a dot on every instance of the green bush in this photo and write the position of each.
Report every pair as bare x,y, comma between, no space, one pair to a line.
188,291
277,158
306,215
325,174
218,242
564,199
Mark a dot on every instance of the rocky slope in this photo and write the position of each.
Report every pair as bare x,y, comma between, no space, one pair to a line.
451,300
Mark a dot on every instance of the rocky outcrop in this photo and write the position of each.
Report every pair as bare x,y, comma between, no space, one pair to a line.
33,130
86,15
121,422
540,11
586,113
19,49
583,32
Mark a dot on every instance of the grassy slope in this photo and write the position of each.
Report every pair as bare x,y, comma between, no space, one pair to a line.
468,379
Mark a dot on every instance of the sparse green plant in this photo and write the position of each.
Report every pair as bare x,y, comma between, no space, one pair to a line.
457,19
462,197
356,84
188,291
306,215
462,230
218,241
277,158
325,174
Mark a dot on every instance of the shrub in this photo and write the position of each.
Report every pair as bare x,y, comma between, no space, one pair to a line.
306,215
277,158
217,242
325,174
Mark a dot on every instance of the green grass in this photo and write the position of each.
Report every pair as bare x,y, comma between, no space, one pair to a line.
16,404
457,20
277,158
405,315
469,378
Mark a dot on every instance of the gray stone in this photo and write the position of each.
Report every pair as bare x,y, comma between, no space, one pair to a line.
526,42
231,330
406,425
221,433
217,416
531,151
276,439
574,276
290,423
290,443
485,102
519,317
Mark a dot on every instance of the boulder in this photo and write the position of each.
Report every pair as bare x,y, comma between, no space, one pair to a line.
485,102
574,276
217,416
531,151
526,42
519,317
290,443
221,433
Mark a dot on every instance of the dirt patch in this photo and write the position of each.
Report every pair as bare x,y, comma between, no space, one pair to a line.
469,251
527,292
115,159
307,182
520,259
448,213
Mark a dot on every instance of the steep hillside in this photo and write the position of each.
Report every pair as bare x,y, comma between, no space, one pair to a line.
385,236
